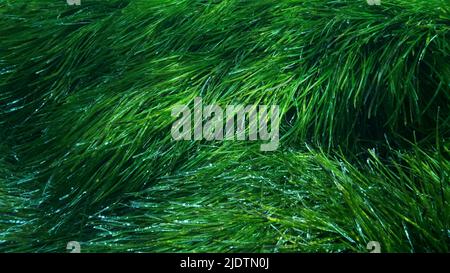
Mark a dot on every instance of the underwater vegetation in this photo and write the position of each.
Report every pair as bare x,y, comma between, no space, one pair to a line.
86,152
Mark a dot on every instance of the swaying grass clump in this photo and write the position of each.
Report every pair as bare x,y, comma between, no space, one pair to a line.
86,94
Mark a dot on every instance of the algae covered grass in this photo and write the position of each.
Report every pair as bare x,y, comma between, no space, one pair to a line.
86,94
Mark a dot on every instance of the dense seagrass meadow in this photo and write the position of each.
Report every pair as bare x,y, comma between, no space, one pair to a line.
86,152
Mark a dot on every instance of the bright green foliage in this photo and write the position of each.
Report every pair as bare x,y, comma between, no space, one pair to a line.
86,154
